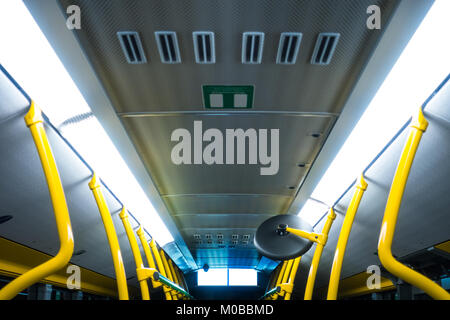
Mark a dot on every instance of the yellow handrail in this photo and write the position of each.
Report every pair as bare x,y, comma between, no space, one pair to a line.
317,254
284,279
287,271
281,274
418,126
34,121
343,239
148,254
136,252
280,277
111,234
167,268
160,265
174,275
295,265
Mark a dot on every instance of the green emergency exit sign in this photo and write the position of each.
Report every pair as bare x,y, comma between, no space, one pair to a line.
236,97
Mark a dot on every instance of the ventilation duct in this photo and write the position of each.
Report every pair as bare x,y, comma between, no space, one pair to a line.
252,47
288,47
324,49
168,46
132,47
204,47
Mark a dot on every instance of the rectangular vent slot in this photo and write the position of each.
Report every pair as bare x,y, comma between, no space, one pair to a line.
324,49
252,47
204,47
288,47
168,46
132,47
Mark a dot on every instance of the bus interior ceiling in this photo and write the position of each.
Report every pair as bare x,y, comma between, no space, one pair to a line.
213,211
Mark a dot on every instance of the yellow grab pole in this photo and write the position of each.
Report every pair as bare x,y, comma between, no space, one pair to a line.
317,254
294,269
280,277
281,274
287,271
418,126
286,275
172,271
148,254
34,121
119,268
181,278
167,268
174,275
136,252
343,239
160,265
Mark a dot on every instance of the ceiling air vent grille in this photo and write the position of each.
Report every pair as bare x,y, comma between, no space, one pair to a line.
288,47
252,47
132,47
168,46
325,46
204,47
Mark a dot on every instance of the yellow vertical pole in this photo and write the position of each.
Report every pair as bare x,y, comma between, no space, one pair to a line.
343,239
317,254
34,121
148,254
119,268
292,276
135,250
174,275
167,268
418,126
280,277
160,265
287,271
281,274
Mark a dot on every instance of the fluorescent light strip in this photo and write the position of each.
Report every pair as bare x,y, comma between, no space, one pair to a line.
227,277
213,277
242,277
423,64
29,58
